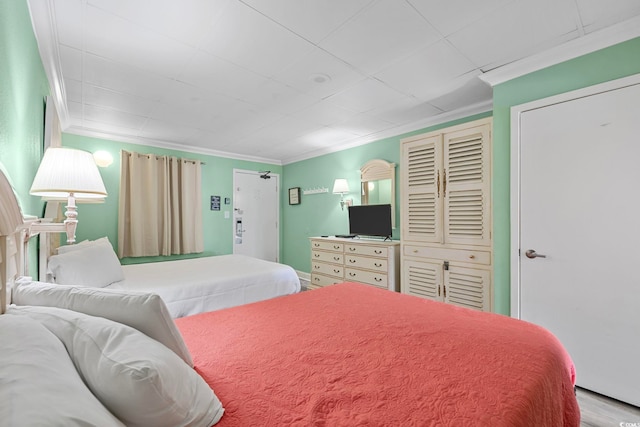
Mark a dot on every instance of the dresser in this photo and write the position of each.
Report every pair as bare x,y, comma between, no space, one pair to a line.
368,261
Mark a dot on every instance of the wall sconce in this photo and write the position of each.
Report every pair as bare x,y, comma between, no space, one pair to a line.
68,173
102,158
341,187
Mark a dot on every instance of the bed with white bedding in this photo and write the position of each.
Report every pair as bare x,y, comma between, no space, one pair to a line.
198,285
187,286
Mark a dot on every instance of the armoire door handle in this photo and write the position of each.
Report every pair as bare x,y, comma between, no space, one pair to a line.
444,183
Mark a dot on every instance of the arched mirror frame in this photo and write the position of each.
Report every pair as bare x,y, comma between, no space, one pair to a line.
377,170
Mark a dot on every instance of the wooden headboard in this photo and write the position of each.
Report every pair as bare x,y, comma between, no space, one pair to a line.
12,235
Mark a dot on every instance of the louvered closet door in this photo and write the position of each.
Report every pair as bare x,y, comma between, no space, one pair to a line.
422,278
468,287
422,206
466,187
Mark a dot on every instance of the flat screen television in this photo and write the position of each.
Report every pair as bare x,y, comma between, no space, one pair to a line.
370,220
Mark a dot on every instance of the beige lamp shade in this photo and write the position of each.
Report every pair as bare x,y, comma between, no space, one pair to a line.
64,171
340,186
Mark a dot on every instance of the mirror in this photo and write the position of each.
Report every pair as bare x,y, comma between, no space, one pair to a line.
378,185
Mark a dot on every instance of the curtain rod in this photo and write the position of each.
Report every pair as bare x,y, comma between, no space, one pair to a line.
129,153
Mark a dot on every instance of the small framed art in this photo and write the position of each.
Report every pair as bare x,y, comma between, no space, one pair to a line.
215,203
294,196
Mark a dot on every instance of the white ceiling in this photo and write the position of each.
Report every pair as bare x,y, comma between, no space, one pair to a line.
237,77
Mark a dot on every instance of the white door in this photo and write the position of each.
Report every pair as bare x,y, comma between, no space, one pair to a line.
578,192
255,214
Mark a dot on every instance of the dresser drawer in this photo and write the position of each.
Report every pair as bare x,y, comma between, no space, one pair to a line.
327,245
461,255
320,280
328,269
333,257
377,264
368,277
351,249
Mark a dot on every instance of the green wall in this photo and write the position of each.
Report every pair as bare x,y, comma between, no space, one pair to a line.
320,214
23,87
608,64
99,220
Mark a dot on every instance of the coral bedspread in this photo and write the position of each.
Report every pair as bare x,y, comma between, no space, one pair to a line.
354,355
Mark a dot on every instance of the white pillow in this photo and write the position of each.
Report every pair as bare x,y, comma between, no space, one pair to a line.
40,385
84,244
143,311
94,265
138,379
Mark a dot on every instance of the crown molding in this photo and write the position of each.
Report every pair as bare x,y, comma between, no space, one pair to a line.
169,145
601,39
461,113
42,17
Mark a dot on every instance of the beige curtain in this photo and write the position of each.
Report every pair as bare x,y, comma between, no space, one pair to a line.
160,211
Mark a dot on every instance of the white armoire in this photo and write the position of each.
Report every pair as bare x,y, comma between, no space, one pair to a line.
446,215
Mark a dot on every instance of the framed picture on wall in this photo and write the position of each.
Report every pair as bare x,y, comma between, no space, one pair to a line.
294,196
215,203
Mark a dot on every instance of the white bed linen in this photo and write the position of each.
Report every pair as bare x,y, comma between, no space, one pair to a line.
197,285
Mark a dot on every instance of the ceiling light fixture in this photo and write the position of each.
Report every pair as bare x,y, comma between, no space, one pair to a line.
320,78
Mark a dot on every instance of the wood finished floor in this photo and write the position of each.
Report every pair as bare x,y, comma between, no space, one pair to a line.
600,411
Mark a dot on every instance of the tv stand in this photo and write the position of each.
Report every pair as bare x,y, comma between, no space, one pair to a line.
370,261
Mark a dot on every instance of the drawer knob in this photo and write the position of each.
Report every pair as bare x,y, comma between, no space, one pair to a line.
352,249
316,267
415,251
378,251
377,279
336,258
472,256
352,274
336,247
316,255
317,279
377,264
316,244
336,271
352,261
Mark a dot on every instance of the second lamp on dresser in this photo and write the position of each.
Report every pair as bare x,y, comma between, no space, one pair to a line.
372,262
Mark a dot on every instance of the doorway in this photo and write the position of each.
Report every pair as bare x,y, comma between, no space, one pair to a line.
575,229
256,205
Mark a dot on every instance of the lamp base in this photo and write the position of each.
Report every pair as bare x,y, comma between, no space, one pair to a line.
71,223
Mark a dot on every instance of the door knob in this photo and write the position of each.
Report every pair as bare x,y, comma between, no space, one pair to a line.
531,253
